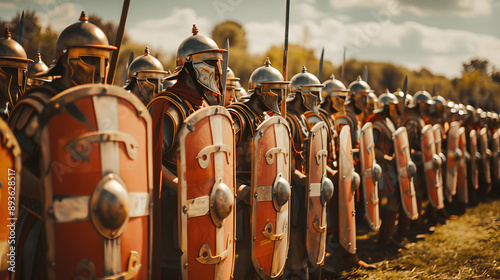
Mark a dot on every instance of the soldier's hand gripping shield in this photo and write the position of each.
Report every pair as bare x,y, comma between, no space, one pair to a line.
453,155
271,196
475,159
206,170
348,183
462,191
320,191
97,175
371,173
432,167
406,173
10,164
485,155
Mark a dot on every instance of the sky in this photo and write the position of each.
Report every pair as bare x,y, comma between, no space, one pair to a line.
439,35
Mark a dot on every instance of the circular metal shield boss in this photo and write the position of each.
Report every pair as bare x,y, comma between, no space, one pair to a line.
377,172
281,192
412,169
221,202
327,189
109,206
436,161
356,180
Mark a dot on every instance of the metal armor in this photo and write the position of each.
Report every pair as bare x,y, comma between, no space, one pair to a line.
348,183
432,164
206,170
144,77
13,68
320,191
462,188
453,155
406,173
10,164
370,174
270,197
97,179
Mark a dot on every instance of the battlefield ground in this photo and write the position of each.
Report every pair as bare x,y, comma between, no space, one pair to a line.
467,247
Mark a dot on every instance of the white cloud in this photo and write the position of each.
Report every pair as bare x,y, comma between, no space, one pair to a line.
308,11
61,16
167,33
464,8
410,44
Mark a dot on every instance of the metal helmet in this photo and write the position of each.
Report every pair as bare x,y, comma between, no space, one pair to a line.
336,91
35,68
239,91
358,93
268,83
205,57
389,103
372,102
231,80
399,94
144,76
310,88
437,108
85,49
13,68
421,97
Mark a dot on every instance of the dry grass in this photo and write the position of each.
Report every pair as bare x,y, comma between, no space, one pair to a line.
466,248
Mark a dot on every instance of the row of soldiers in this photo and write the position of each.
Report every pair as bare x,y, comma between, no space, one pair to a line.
187,176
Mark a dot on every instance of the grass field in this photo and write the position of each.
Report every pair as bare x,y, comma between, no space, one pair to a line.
465,248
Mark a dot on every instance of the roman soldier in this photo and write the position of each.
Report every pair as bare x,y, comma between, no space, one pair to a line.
305,257
256,135
198,85
354,105
82,52
13,68
383,119
144,77
414,121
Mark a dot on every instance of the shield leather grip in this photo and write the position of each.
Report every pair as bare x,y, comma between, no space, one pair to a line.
80,149
317,226
268,232
203,156
205,254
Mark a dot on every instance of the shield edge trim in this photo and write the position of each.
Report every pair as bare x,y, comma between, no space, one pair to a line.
52,109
